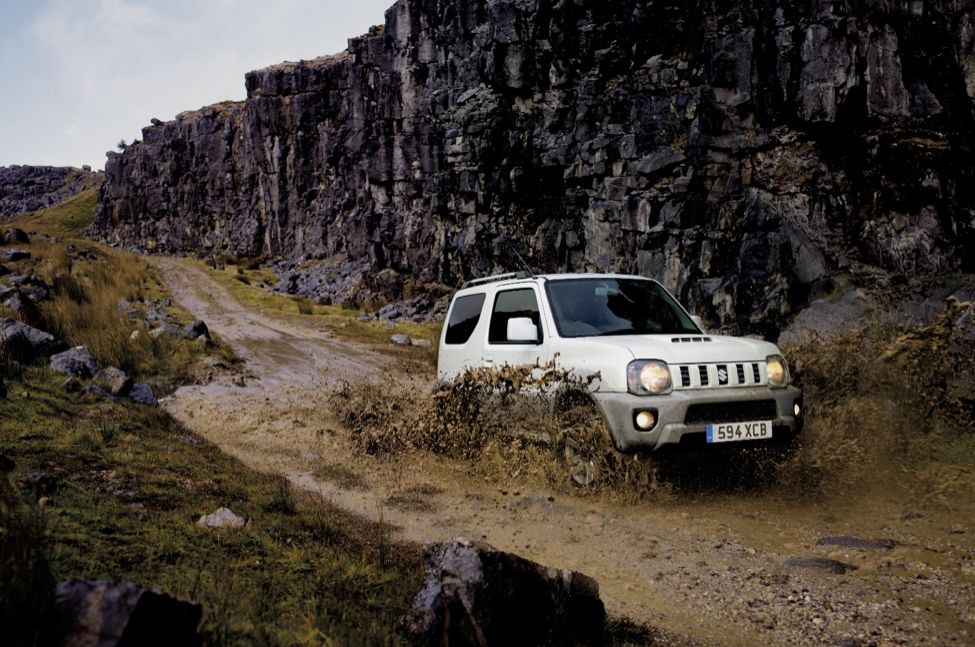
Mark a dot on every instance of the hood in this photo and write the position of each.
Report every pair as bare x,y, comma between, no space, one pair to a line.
690,349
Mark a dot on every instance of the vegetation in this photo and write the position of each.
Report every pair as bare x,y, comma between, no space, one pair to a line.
247,281
894,394
132,483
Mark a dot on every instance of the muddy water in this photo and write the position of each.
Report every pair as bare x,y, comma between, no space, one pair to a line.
704,558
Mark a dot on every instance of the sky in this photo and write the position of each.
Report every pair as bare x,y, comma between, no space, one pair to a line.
77,76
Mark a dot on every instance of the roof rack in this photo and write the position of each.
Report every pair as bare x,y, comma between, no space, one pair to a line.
520,274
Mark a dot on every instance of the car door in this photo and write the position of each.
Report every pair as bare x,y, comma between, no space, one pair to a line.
512,303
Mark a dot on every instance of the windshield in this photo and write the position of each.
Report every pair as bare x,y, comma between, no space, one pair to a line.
600,307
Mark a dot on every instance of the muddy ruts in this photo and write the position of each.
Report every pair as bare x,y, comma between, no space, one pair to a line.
742,152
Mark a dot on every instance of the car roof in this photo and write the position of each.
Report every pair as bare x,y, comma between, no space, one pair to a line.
487,282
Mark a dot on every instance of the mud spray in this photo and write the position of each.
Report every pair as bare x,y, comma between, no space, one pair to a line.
881,409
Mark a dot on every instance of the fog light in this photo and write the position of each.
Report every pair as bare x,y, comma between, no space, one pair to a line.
797,409
645,419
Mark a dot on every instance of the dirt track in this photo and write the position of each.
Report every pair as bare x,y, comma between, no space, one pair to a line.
700,564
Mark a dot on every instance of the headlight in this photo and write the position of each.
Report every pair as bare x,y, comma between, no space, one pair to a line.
645,377
778,371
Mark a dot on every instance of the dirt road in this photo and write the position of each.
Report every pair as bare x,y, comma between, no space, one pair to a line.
703,565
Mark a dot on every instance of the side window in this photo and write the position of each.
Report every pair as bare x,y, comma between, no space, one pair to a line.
508,305
463,318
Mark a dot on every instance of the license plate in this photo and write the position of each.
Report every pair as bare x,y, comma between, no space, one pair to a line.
735,431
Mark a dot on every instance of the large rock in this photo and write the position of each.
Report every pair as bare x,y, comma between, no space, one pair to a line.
14,254
168,330
195,330
477,595
222,518
23,308
94,393
107,613
24,342
741,156
14,236
114,380
77,362
142,393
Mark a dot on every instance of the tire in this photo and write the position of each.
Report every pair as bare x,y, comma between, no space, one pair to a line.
584,448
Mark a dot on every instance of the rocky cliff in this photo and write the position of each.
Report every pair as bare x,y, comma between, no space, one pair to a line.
742,152
29,188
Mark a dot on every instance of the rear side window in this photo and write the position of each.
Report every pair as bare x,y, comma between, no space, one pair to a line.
508,305
463,318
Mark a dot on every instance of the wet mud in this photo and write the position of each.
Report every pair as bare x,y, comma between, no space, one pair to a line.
733,548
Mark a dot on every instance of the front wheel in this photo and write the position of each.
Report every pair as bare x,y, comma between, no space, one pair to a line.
580,457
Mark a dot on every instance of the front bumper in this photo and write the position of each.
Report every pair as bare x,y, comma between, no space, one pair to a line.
676,429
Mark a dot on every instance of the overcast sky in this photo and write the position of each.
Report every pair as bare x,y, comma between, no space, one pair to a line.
76,76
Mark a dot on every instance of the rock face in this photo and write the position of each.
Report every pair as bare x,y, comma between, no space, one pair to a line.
29,188
479,596
741,153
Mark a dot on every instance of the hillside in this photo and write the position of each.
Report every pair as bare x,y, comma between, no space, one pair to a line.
30,188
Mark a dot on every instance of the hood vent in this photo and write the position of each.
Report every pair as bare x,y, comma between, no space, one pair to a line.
689,340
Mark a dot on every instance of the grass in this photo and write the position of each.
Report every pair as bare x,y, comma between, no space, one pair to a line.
66,220
248,284
132,483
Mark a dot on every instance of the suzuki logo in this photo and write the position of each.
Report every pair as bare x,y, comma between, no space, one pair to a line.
722,375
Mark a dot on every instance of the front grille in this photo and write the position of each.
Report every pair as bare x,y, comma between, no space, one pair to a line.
748,411
713,376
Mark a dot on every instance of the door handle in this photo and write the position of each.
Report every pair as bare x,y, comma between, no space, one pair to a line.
488,359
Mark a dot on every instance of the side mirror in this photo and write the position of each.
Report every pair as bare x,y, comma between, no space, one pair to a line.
522,329
698,321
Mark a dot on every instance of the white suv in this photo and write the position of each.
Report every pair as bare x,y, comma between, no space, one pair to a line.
662,382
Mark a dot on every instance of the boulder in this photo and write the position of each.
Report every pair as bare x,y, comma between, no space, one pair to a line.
77,362
14,341
4,271
401,340
142,393
3,389
7,464
113,380
222,518
108,613
14,236
195,330
92,393
475,594
24,343
169,330
71,384
35,293
23,308
14,254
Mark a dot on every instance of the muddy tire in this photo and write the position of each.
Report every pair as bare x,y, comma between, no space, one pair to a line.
585,454
584,448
